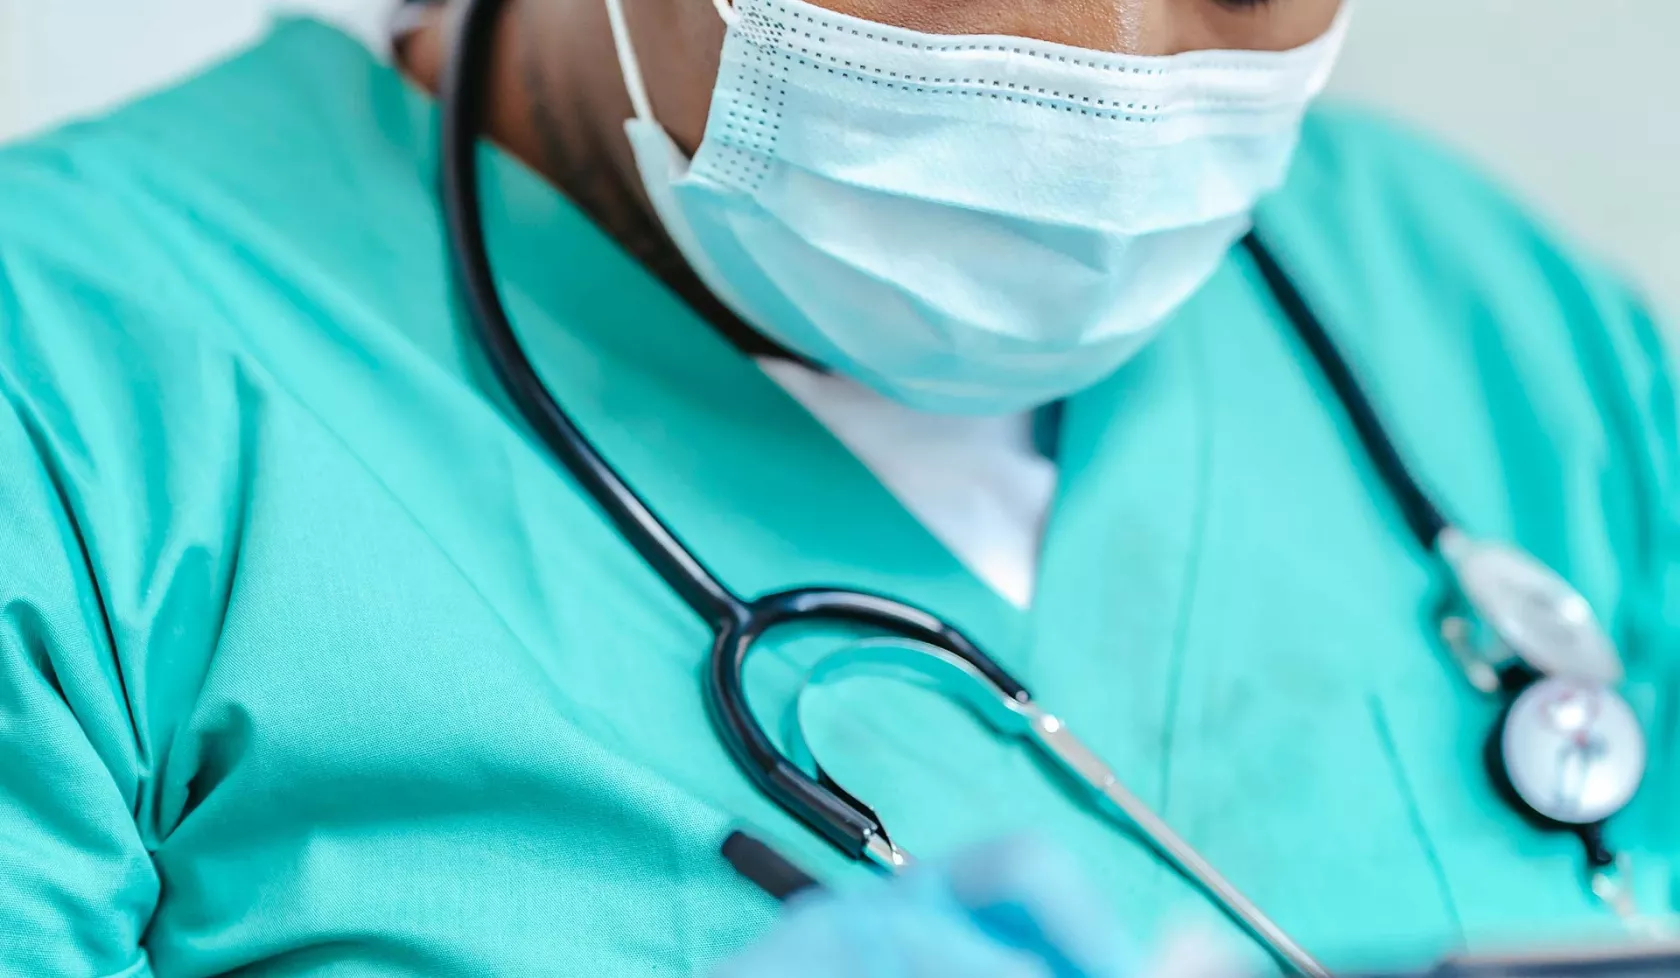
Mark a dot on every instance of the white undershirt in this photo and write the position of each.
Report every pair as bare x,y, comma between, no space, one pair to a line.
980,485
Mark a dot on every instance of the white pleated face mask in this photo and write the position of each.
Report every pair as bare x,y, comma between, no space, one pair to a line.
967,224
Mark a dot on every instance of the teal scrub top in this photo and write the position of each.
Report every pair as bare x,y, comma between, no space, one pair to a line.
312,661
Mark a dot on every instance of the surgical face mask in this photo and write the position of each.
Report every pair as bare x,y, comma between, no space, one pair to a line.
966,224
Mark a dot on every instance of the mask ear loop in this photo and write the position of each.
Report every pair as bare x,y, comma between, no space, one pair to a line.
628,64
631,66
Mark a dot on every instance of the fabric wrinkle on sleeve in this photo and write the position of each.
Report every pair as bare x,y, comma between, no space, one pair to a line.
77,885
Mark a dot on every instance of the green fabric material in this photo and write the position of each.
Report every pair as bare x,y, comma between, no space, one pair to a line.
311,662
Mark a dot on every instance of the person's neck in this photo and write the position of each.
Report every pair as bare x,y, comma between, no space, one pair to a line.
560,109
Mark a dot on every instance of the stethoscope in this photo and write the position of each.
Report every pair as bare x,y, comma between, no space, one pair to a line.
1567,752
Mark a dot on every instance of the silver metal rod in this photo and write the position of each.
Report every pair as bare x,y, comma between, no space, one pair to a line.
881,851
1084,764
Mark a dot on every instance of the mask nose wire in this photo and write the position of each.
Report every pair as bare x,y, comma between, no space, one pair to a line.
631,66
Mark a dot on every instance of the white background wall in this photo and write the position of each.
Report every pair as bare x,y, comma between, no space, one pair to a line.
1575,102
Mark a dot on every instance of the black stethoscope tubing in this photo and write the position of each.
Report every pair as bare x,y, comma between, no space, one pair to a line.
1422,516
465,88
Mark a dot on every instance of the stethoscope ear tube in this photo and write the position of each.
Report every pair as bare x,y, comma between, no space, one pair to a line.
813,798
464,94
844,822
1422,516
837,816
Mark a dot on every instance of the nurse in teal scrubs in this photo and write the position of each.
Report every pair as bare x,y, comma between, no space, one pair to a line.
313,660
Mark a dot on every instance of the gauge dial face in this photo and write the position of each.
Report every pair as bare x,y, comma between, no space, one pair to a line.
1573,750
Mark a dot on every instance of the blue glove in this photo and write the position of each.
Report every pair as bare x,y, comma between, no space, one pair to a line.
1015,909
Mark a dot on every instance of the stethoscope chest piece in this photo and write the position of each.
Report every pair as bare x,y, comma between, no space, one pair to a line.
1568,751
1572,751
1521,613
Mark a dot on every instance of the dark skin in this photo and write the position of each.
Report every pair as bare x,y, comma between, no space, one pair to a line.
559,101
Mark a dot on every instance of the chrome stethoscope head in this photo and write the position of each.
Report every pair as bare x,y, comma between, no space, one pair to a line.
1568,751
1510,610
1572,750
1569,754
